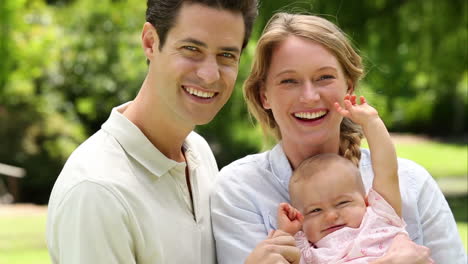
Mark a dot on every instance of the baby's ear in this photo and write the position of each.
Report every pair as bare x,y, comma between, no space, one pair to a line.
366,200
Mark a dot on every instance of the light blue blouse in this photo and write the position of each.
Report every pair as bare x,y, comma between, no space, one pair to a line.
248,191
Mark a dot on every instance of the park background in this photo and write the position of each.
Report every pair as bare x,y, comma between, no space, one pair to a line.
65,63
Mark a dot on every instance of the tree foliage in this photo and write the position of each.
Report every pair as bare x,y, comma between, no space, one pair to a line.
66,63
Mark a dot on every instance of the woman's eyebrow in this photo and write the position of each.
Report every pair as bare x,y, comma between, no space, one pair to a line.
285,71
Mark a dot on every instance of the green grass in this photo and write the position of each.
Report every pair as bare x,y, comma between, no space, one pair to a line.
439,159
22,240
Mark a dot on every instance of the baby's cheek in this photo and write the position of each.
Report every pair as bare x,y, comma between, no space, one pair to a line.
356,215
311,230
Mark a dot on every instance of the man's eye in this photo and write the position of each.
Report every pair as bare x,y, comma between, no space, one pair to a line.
191,48
227,55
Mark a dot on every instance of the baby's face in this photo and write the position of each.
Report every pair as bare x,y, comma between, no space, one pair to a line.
329,202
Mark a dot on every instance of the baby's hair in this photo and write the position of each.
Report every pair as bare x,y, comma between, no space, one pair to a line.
311,166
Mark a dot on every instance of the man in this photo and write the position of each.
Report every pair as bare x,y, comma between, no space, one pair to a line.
137,191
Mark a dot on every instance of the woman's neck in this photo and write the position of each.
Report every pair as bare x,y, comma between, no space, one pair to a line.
297,152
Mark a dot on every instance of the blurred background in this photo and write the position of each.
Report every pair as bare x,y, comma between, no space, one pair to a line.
65,63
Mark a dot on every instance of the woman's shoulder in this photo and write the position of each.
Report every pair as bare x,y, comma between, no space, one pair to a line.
405,166
245,166
412,175
241,182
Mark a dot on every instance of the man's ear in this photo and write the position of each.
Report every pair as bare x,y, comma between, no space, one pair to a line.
263,96
149,40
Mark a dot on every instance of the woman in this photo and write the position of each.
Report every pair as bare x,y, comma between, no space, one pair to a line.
303,64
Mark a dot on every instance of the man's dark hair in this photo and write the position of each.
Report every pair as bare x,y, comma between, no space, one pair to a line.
162,14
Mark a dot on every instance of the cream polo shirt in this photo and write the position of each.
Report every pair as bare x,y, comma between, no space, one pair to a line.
119,200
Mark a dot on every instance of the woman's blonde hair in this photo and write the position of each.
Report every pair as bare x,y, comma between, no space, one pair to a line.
321,31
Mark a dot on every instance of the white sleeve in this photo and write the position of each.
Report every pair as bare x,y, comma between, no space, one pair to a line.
90,226
440,232
237,225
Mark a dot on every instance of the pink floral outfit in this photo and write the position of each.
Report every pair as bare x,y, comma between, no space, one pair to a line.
368,242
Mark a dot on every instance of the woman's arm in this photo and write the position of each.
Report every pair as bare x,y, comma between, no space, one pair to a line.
279,247
239,227
440,232
405,251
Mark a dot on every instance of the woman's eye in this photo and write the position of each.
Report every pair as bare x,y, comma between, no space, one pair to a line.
325,77
287,81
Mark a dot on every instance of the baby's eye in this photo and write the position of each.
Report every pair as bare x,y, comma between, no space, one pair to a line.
315,211
343,203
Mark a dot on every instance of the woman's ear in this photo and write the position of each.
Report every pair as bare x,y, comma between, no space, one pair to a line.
350,85
149,40
263,96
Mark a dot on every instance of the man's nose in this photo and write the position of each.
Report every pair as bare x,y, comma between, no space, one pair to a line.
209,70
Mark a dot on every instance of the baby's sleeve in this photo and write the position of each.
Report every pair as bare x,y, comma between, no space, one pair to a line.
383,209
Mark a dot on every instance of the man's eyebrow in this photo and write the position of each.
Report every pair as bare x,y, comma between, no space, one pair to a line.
203,44
195,41
231,49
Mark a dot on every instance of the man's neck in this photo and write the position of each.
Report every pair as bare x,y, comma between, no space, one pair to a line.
166,135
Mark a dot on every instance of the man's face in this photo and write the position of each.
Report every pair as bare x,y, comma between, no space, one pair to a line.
194,73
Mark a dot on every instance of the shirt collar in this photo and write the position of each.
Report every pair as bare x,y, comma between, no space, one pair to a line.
280,164
136,144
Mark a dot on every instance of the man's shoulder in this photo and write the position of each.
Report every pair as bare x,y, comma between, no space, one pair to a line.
99,159
197,141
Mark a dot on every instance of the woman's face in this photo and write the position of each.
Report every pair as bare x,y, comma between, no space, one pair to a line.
302,83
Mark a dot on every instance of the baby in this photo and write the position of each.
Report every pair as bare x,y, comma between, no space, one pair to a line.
339,222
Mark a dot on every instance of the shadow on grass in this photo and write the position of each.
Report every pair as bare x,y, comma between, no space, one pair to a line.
459,206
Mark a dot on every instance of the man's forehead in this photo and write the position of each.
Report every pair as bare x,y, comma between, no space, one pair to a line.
204,25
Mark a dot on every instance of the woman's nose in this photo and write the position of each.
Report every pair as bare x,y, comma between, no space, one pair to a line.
309,93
